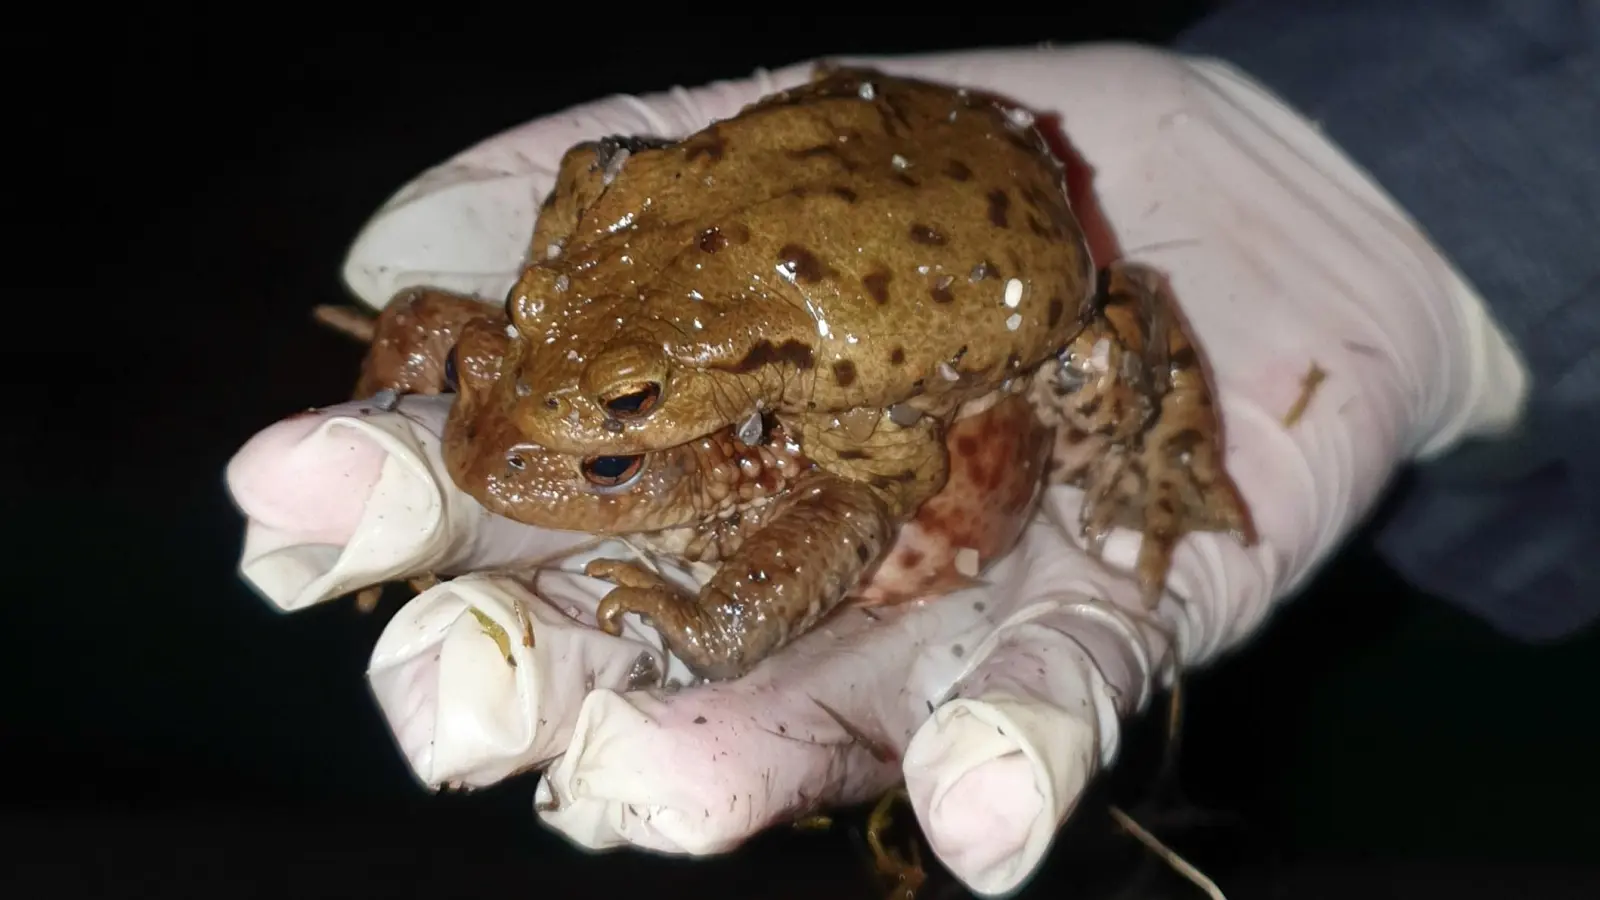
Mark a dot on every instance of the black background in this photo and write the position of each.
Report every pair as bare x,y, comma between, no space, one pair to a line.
168,734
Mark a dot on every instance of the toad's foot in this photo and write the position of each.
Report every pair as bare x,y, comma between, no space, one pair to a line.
1164,478
906,877
647,594
818,541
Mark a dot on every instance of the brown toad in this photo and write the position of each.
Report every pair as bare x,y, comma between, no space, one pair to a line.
859,243
709,500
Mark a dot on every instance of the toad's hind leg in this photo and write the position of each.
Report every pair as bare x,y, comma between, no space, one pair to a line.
412,339
1165,477
581,178
781,581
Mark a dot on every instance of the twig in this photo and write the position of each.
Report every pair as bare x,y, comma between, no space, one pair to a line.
1171,858
348,321
1308,389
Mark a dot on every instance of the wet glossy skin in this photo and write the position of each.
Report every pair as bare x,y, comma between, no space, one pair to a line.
710,478
856,258
827,525
700,500
851,244
412,340
1147,449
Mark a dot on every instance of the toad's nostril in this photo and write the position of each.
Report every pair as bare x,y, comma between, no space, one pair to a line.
632,401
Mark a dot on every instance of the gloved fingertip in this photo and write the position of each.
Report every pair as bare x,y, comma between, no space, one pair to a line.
305,479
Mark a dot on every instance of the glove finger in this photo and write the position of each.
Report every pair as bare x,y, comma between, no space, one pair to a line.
997,769
353,495
482,677
822,724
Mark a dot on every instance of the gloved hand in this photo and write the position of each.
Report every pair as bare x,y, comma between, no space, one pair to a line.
998,703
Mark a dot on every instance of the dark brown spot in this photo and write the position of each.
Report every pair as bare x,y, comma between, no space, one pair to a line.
863,552
958,170
757,576
712,239
910,558
844,193
823,150
896,105
1037,227
999,202
1165,505
853,453
906,180
923,234
1013,360
1185,358
707,143
940,291
1057,307
984,271
978,472
888,481
844,373
877,284
764,354
699,720
1093,406
802,264
897,355
1186,440
967,445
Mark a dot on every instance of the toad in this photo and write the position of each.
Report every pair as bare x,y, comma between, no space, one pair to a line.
852,260
857,244
700,501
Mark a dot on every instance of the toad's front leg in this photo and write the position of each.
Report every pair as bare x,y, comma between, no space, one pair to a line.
814,548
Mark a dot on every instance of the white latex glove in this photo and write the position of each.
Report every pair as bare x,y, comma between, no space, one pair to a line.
352,495
1283,254
355,495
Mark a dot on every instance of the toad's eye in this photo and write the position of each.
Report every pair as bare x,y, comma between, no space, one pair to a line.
612,471
451,379
634,401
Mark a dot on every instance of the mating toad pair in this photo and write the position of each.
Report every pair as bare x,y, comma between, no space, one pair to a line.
835,345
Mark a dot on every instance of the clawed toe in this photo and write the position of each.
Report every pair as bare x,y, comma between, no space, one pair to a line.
625,574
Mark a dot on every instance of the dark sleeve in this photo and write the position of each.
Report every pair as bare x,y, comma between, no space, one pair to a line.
1483,120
